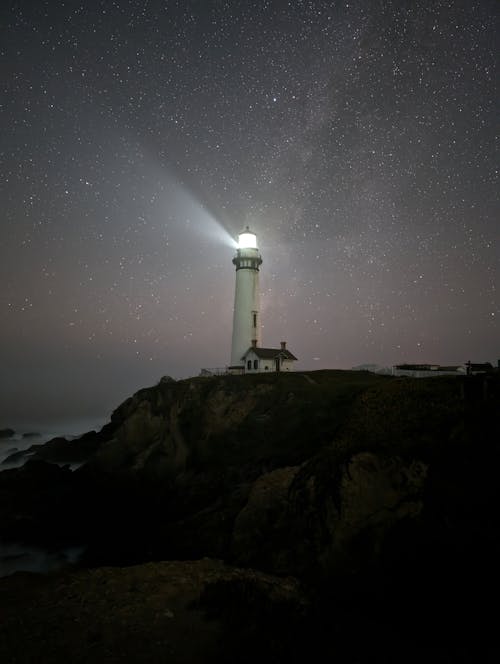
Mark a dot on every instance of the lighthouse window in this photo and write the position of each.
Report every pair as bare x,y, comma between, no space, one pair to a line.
249,365
255,320
256,364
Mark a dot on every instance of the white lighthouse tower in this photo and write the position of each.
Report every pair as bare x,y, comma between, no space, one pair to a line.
246,317
247,354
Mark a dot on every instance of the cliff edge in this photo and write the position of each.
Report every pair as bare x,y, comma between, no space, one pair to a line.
377,494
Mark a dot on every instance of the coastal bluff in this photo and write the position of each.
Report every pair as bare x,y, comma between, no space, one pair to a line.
338,500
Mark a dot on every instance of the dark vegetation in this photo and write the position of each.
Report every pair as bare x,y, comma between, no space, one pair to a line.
371,501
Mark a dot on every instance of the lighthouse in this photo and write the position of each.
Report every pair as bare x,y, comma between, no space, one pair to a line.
246,316
247,354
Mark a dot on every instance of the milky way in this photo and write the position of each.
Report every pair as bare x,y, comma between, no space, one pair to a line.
355,138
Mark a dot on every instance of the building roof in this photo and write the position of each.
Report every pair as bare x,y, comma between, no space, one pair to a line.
469,367
481,366
270,353
425,367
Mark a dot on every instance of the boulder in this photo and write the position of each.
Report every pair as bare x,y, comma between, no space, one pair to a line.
16,455
37,504
61,450
166,379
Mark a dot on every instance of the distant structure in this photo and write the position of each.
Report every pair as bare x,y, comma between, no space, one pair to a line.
247,355
373,368
472,369
426,370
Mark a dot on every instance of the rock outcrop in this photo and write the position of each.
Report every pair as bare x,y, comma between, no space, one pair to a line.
301,520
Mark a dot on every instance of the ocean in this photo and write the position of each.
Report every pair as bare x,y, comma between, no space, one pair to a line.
28,434
17,556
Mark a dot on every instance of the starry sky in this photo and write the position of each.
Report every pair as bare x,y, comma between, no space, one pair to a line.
357,139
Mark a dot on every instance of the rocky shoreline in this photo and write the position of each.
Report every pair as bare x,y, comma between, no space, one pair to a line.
374,497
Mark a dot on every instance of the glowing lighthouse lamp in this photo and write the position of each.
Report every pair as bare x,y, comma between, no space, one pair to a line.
247,240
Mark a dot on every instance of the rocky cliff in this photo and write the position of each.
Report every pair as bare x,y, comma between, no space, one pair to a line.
378,494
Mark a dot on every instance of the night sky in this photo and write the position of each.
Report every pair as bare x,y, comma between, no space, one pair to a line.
357,139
